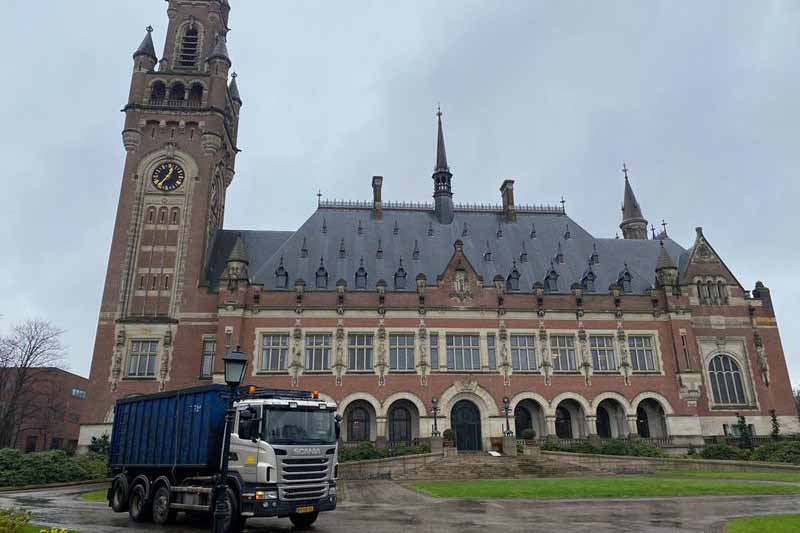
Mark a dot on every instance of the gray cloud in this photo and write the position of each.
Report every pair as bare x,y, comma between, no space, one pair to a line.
700,99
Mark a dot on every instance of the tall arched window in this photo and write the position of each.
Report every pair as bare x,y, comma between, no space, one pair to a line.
196,95
177,93
400,425
189,48
358,425
158,93
723,292
726,381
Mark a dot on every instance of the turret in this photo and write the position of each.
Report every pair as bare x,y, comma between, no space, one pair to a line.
634,225
144,61
666,271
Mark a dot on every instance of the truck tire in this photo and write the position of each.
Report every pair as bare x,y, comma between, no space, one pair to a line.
119,495
234,523
163,513
139,508
303,521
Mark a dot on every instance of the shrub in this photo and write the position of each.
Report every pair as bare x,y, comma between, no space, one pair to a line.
615,447
449,435
724,452
54,466
529,434
14,521
779,452
100,446
643,449
551,445
583,447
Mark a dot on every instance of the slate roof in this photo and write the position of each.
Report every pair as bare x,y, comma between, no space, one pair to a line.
630,207
540,235
146,48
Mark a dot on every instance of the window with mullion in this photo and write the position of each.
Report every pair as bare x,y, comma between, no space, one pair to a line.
563,349
643,358
434,347
603,357
463,352
142,363
523,353
318,352
207,363
359,347
274,352
491,347
401,352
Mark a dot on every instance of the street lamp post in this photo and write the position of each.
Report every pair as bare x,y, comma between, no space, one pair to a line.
235,365
435,402
507,408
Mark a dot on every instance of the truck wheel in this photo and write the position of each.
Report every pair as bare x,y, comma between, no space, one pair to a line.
234,522
303,521
119,495
138,507
163,513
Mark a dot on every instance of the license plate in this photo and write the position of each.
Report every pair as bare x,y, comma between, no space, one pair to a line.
305,509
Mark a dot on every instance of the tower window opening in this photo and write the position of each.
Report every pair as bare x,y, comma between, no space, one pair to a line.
190,46
196,95
158,93
177,93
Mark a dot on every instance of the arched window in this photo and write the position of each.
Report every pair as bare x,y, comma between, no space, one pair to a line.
174,216
522,420
151,215
358,425
196,95
158,93
702,292
726,381
162,215
723,292
189,48
281,276
563,423
712,291
177,93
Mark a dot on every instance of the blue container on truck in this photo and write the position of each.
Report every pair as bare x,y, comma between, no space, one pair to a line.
179,429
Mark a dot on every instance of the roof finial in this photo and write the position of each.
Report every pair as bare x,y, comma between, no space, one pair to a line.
664,225
319,197
563,203
149,29
653,229
234,75
625,170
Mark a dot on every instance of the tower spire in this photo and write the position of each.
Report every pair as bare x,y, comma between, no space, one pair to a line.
634,225
442,178
147,48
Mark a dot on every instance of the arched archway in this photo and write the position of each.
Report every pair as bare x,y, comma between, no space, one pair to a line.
529,414
359,422
465,420
650,419
402,422
570,419
611,420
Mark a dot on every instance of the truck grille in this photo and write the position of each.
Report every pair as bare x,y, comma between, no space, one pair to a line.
304,478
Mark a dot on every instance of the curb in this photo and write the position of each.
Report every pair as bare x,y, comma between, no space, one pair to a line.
26,488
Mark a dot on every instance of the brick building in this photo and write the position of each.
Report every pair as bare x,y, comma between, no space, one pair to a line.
51,408
384,305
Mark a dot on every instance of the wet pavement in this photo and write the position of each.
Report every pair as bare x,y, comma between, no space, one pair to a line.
385,506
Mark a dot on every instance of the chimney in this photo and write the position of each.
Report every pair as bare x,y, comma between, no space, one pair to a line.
377,182
507,192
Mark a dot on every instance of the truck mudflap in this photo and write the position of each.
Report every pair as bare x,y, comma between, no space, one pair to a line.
263,502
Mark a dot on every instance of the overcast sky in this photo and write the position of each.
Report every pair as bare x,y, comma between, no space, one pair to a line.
701,99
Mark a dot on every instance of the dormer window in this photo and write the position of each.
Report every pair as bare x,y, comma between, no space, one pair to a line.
512,282
400,277
624,280
551,280
281,277
361,276
588,281
322,276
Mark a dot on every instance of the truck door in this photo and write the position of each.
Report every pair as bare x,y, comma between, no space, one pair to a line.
244,443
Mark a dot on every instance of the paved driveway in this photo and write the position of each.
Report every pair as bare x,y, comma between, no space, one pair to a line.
384,506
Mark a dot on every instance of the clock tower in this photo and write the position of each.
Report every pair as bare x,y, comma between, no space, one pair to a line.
181,123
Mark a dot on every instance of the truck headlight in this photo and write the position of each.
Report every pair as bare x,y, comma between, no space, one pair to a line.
332,491
266,495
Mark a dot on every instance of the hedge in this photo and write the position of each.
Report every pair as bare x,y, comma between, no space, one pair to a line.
56,466
366,451
612,447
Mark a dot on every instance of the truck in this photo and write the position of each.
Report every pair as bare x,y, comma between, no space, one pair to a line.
166,455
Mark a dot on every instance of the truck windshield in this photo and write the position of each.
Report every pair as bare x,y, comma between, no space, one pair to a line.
298,426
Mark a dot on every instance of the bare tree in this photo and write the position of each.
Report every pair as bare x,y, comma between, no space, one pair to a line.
25,354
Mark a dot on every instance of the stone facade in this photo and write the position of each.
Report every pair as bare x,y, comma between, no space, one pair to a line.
385,306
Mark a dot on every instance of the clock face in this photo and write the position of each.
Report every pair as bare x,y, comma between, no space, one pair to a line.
168,177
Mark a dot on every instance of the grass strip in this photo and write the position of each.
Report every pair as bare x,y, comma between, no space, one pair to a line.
94,496
617,487
765,524
749,476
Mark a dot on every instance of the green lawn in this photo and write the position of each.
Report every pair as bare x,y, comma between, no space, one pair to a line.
606,487
96,496
750,476
766,524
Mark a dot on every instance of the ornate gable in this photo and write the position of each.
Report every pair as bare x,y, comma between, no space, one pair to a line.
460,279
704,261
